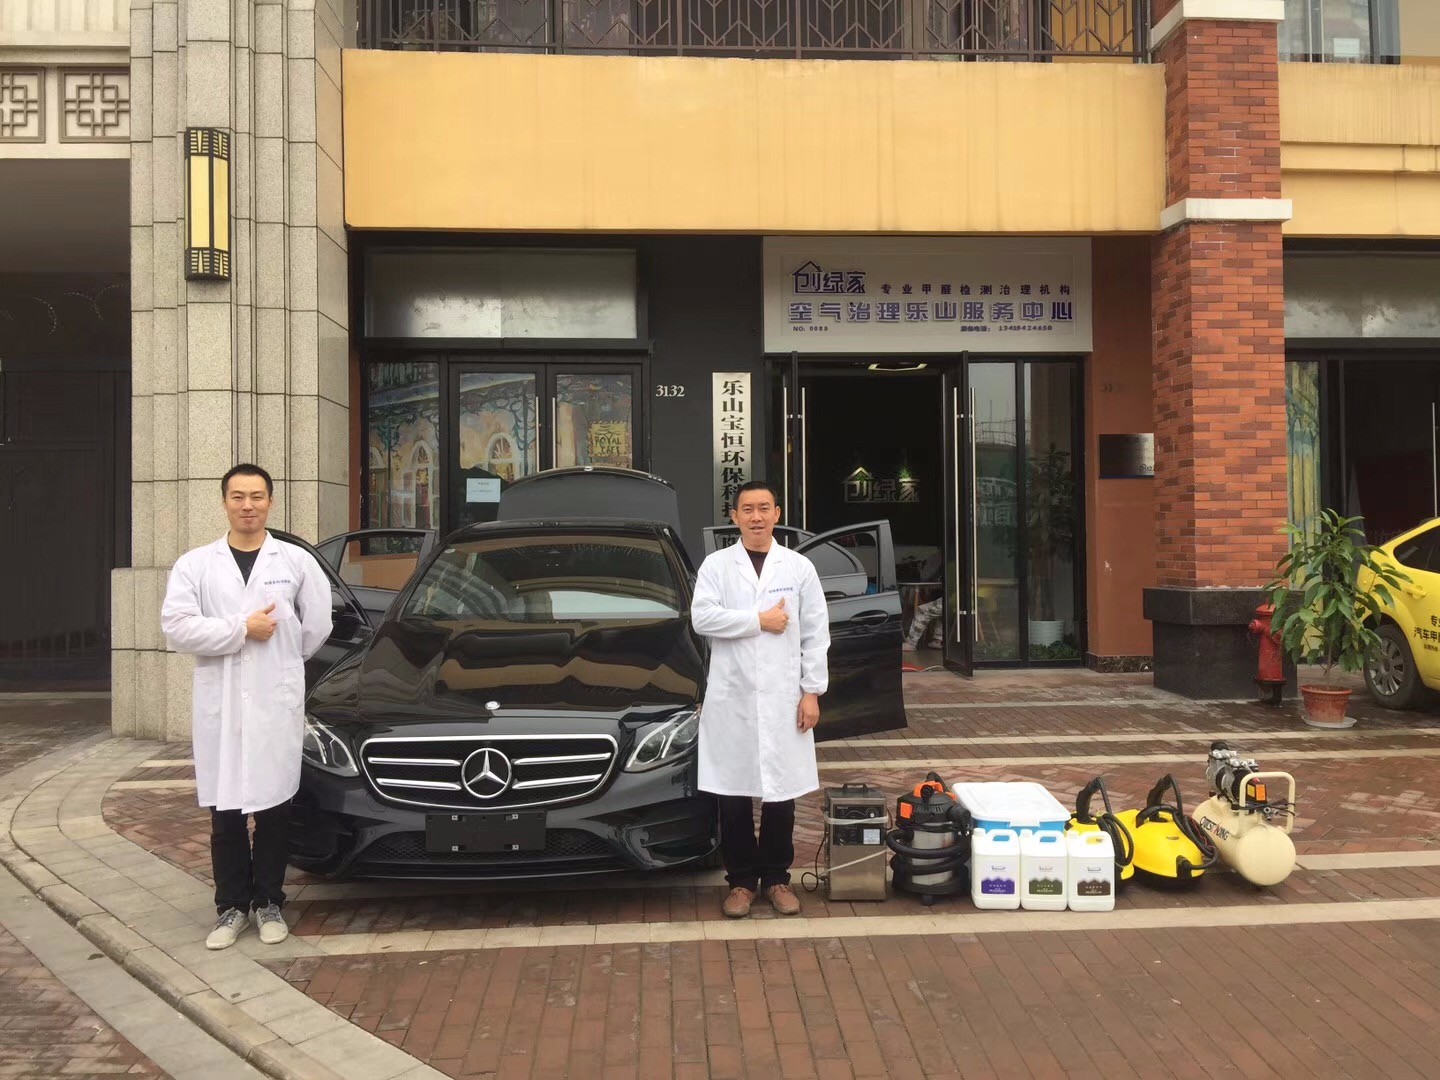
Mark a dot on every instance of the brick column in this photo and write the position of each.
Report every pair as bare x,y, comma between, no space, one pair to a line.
1219,364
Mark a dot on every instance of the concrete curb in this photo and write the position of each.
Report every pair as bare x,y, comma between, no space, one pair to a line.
209,989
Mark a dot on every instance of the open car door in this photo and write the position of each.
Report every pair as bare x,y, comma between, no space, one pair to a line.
856,565
376,563
352,624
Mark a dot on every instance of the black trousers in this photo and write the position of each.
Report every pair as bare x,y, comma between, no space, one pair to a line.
249,876
750,862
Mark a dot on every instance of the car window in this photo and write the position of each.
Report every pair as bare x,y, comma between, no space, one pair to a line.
383,561
567,577
1420,552
849,564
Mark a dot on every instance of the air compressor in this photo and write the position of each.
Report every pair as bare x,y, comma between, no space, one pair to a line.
1249,828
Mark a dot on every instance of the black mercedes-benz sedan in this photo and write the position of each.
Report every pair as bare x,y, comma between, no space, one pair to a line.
527,703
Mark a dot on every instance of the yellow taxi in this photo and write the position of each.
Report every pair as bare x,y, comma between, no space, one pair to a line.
1404,673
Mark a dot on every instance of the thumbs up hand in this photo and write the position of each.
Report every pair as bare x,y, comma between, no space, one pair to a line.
260,626
775,620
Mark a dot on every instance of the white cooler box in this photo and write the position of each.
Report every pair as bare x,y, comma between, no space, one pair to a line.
1020,805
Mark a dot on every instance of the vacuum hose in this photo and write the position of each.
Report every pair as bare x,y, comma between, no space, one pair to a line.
1106,821
1155,810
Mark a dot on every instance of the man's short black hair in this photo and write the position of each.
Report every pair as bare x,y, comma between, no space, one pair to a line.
246,469
756,485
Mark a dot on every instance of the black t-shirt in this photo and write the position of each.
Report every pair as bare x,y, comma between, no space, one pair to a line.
757,560
245,560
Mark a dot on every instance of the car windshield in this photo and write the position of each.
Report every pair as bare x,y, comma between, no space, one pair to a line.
549,579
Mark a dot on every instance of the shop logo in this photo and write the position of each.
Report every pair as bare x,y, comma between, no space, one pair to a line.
486,773
862,486
812,279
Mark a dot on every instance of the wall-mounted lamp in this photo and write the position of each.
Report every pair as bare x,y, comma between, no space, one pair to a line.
207,160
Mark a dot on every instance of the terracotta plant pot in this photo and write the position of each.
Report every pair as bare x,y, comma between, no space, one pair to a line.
1325,707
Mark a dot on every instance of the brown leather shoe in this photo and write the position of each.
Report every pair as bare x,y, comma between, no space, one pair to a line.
783,899
737,904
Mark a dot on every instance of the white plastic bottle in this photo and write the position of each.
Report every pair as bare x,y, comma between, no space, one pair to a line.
995,869
1044,870
1092,871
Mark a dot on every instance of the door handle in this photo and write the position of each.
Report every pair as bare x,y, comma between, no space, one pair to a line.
870,618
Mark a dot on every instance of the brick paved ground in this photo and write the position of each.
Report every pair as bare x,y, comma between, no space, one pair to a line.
47,1032
1347,804
1328,1001
1297,996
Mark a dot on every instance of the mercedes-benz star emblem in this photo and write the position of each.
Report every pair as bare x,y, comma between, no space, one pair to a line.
486,773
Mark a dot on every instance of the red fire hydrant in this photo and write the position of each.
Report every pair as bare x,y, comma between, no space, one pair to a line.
1270,672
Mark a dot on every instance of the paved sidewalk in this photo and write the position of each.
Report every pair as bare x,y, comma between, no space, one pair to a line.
47,1031
1329,974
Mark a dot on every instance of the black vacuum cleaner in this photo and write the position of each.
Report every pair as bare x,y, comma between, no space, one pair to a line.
931,842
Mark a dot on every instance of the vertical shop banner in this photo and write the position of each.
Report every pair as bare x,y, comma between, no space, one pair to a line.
733,452
828,294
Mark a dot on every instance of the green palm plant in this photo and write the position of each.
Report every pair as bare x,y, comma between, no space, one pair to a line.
1329,592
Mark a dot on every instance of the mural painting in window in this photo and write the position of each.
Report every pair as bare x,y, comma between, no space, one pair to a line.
497,425
594,421
402,430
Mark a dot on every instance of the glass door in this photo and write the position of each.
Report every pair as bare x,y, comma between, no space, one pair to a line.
495,433
510,420
594,416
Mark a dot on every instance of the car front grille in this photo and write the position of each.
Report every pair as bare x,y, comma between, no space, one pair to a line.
487,772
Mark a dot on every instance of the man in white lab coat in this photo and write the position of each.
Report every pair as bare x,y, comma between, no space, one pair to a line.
252,610
762,607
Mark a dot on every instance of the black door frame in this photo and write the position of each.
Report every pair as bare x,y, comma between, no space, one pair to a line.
1335,358
546,358
953,370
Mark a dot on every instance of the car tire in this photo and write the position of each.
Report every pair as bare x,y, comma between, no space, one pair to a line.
1391,676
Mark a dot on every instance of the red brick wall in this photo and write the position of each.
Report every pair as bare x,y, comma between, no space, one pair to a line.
1222,110
1218,309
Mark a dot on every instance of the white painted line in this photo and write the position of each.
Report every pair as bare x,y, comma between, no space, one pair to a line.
801,927
1242,737
153,785
166,763
1106,759
1107,703
1371,860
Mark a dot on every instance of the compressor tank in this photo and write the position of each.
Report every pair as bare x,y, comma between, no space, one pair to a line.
1261,853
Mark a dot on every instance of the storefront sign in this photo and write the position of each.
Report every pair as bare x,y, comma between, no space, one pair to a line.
734,452
927,295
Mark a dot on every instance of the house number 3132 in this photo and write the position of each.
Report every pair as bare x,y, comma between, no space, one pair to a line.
667,390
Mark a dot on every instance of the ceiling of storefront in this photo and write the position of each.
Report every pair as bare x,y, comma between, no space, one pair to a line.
64,216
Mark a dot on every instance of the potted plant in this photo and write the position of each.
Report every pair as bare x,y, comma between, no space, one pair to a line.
1328,593
1050,530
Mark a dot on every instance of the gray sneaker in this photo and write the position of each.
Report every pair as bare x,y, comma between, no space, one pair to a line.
273,929
227,928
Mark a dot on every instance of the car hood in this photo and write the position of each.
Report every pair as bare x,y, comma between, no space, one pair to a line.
418,670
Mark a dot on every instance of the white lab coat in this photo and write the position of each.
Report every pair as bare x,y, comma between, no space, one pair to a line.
248,715
749,742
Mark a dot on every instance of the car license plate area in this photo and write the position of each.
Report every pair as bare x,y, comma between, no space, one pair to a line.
485,833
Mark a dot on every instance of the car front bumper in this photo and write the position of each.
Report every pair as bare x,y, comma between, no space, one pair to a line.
639,821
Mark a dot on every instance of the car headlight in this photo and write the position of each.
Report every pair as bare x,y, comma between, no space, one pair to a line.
671,740
325,750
